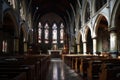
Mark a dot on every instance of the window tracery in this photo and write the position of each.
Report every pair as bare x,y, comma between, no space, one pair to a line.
53,34
46,33
39,32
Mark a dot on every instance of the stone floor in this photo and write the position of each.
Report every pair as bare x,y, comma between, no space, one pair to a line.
58,70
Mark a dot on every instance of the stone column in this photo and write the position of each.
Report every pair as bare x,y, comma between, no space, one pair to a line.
25,47
16,45
1,13
1,40
31,36
113,43
78,48
84,48
1,26
94,46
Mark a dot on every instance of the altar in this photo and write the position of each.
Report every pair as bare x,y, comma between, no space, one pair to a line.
55,53
52,51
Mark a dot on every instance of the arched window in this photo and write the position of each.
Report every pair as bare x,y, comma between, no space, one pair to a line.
57,33
54,33
39,32
61,33
46,33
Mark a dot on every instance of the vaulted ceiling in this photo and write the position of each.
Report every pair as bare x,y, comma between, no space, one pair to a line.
64,8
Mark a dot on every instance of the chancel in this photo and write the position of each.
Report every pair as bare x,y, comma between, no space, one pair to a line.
55,51
59,39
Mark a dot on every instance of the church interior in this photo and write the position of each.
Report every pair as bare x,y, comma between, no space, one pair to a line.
59,40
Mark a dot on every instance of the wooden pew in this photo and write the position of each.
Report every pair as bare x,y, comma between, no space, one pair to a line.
83,67
33,62
42,65
94,69
110,71
12,76
21,76
80,63
18,66
84,64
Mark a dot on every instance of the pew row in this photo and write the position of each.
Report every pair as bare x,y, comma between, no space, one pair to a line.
90,66
31,65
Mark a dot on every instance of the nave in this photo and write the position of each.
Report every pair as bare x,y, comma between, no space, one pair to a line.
58,70
86,33
67,67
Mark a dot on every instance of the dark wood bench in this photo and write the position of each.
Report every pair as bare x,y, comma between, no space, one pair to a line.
16,66
110,71
31,64
95,67
13,76
79,62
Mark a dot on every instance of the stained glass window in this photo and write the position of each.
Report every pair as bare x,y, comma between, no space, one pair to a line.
54,33
4,46
39,32
46,32
61,33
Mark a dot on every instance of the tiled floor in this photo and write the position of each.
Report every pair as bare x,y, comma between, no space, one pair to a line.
60,71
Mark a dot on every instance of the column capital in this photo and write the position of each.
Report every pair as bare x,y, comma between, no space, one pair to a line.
77,43
113,29
84,42
94,38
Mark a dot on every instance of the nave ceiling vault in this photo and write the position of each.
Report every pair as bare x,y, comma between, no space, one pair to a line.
62,8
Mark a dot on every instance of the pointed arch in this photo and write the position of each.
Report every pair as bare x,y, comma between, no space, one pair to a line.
79,37
8,13
88,39
96,24
10,31
86,32
115,10
86,12
100,27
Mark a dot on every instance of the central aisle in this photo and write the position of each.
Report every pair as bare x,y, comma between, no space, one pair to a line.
60,71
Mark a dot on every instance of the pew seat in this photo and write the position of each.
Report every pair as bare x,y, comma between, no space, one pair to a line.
12,76
34,66
110,72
